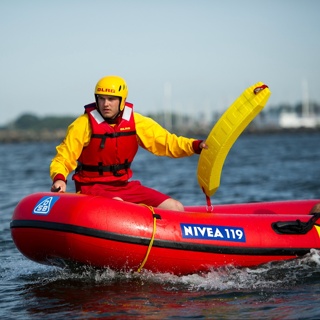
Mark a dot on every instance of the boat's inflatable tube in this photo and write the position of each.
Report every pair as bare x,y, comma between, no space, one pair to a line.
72,229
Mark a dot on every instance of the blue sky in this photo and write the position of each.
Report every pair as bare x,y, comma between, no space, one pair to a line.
206,51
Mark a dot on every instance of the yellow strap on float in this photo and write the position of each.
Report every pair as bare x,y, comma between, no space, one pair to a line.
152,237
225,133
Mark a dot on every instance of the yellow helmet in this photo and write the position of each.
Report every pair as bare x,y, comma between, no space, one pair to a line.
113,86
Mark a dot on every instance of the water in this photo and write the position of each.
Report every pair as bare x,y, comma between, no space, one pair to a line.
258,168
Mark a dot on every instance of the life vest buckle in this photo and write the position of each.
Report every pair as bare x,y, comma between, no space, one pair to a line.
115,168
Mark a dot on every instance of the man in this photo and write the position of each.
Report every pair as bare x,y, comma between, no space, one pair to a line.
101,144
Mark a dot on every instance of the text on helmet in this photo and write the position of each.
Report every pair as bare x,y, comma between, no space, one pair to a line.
106,90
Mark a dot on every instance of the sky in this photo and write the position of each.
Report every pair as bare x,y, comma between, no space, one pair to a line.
192,57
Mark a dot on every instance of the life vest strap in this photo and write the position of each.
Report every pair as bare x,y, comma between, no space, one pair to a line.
114,168
104,136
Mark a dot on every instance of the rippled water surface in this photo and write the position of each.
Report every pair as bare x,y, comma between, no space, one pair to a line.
258,168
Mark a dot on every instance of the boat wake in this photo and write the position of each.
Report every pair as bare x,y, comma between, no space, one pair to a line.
284,274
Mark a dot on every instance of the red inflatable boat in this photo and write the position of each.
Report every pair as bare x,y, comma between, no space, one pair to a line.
72,229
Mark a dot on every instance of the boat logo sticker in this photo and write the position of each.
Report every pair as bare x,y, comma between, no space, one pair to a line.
208,232
44,205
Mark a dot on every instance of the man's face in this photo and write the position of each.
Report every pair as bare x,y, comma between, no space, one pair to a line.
108,106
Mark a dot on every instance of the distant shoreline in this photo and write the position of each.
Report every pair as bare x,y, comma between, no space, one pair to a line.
20,136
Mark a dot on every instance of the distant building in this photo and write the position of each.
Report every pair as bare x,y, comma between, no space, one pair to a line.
292,120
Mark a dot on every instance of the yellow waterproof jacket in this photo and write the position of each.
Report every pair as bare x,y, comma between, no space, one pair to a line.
151,136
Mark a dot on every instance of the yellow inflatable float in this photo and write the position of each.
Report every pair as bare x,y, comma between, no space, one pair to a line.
225,133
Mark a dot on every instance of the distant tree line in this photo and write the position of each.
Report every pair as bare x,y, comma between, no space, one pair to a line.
29,121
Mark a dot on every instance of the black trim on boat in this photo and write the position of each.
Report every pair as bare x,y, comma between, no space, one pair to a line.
55,226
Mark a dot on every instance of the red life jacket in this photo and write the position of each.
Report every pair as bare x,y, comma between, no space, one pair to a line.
111,149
